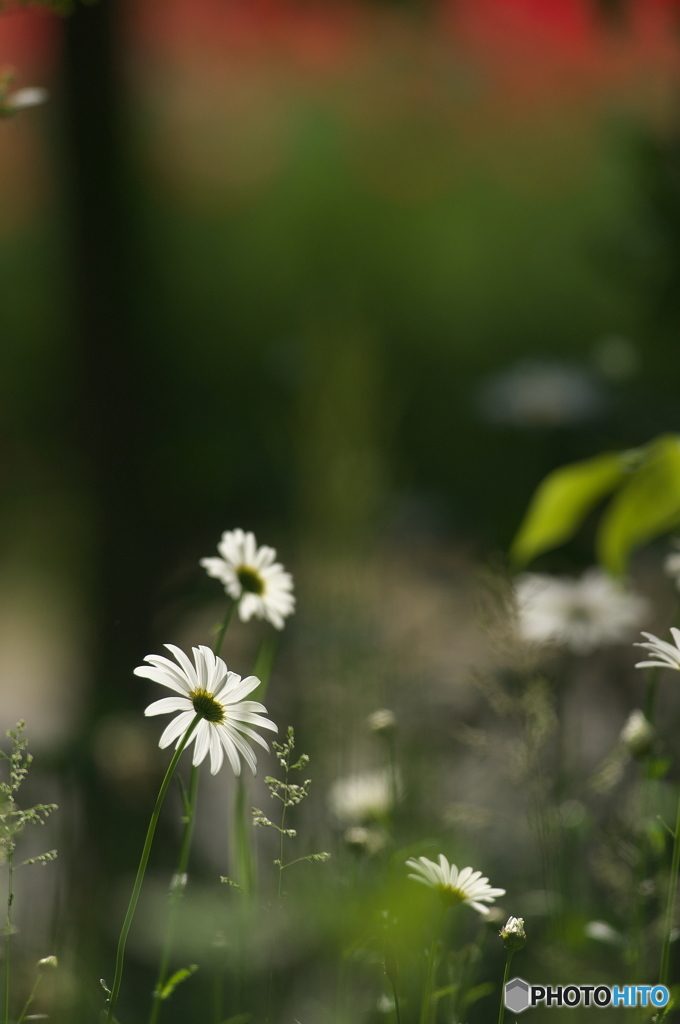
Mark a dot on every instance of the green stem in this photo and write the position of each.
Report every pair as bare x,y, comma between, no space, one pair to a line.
650,696
10,900
429,976
30,999
224,627
670,908
501,1010
115,988
242,847
397,1006
175,893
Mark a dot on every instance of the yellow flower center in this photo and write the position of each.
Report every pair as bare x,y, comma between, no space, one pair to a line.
450,896
207,707
250,580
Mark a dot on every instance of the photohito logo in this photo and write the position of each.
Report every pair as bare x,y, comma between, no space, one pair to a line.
519,995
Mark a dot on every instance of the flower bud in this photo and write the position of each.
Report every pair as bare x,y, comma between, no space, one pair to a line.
513,935
48,961
382,720
638,734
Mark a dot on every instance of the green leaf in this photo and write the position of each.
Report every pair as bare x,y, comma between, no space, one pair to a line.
478,992
177,978
658,767
646,506
562,501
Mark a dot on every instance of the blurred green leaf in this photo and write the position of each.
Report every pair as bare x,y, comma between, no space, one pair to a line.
562,501
176,979
655,831
658,767
478,992
646,506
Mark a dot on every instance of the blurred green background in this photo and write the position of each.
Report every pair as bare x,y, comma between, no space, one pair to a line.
355,276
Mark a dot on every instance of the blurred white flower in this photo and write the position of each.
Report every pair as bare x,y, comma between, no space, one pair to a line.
581,614
454,886
382,720
366,796
637,734
252,577
537,393
671,563
30,96
601,931
208,688
665,654
365,840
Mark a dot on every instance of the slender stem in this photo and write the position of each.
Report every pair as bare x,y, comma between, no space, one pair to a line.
30,999
224,627
397,1006
429,976
243,857
650,697
115,988
175,893
670,909
501,1010
10,900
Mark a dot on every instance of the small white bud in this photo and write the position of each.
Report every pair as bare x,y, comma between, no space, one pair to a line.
382,720
637,734
178,882
48,961
513,935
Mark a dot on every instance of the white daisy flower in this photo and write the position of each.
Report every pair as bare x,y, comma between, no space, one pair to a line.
252,577
208,688
366,796
665,655
454,886
584,614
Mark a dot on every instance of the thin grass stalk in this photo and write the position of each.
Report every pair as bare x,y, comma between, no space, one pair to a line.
141,870
8,942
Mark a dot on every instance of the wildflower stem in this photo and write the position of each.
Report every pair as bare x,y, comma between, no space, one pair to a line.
397,1007
22,1015
650,696
425,1009
670,908
115,988
224,627
175,893
501,1009
10,900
